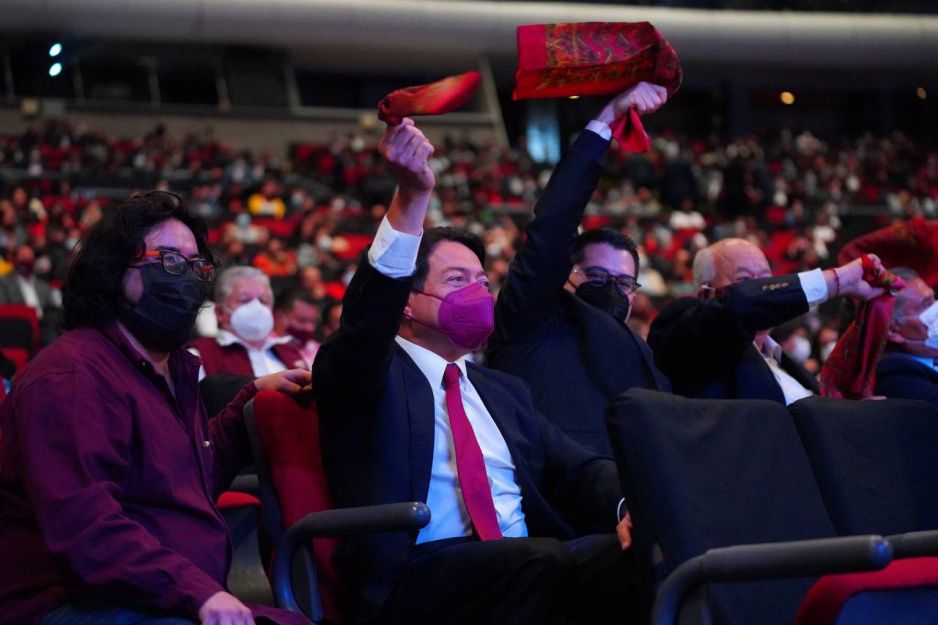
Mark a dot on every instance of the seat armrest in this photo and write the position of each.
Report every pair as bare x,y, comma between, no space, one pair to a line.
914,544
395,517
801,558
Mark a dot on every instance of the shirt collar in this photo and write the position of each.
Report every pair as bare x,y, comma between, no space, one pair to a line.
181,361
431,365
931,363
771,349
226,338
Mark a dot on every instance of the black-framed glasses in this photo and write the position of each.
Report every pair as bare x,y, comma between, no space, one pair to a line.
176,264
597,276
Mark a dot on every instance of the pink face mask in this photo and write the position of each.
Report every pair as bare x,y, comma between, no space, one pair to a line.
467,315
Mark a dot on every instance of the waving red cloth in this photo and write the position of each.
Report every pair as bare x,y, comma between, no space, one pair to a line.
435,98
912,244
850,370
596,59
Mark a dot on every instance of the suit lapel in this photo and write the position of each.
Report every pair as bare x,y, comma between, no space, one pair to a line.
497,402
420,421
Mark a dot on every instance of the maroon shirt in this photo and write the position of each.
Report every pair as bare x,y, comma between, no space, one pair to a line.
108,482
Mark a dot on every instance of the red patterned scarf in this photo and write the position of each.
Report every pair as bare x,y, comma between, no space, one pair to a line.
596,59
435,98
850,370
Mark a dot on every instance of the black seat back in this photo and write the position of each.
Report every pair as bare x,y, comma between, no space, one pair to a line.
876,462
700,474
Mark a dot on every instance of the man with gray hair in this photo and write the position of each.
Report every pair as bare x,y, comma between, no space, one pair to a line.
717,345
244,345
908,367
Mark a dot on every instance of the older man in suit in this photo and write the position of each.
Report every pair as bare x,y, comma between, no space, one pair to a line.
908,367
524,520
717,345
560,318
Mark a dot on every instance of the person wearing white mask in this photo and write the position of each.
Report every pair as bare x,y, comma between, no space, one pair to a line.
245,345
909,366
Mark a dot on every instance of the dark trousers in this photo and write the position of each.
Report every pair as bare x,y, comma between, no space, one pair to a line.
524,581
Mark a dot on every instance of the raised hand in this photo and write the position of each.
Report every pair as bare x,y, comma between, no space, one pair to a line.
644,97
406,150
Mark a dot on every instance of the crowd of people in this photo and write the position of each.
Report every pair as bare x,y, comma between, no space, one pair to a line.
303,218
468,366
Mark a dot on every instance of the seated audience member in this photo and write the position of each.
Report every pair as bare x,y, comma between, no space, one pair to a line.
109,465
717,345
22,286
244,344
908,366
297,315
331,314
561,316
404,416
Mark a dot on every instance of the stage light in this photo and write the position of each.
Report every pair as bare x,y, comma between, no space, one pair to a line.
574,97
55,50
55,70
787,97
921,94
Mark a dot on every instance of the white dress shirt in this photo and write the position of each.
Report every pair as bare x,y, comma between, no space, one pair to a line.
30,295
263,360
815,290
394,254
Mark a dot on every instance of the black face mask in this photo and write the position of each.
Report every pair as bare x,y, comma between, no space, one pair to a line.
167,309
606,297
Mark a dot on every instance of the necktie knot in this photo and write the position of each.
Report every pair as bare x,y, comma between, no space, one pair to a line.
451,375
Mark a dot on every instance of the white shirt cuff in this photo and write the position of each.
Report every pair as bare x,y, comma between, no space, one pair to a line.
619,514
394,253
600,128
814,286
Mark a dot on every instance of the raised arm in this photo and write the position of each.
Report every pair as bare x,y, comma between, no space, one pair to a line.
540,268
350,367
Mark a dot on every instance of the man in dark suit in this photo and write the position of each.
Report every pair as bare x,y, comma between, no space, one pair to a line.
560,318
717,345
515,504
908,366
22,286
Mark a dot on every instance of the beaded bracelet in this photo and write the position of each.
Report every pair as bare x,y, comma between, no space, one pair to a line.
836,283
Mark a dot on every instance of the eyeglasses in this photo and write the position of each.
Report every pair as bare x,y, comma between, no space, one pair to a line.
176,264
597,276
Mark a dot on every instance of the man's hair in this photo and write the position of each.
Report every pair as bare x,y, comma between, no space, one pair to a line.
604,235
285,301
226,280
431,238
704,267
901,302
93,286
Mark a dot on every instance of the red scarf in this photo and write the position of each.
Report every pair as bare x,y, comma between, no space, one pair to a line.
850,370
596,59
435,98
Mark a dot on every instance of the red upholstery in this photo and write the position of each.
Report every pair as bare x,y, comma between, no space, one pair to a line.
826,598
234,499
18,355
27,313
289,434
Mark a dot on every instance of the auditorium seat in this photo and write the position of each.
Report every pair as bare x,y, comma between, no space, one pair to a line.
705,476
19,328
284,435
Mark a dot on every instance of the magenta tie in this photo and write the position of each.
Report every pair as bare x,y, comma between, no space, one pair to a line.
470,467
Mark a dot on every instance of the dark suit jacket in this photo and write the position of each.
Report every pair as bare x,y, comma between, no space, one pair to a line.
377,429
902,376
574,356
10,292
705,346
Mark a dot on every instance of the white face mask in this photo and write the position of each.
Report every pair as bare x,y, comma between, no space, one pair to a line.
929,317
252,321
800,349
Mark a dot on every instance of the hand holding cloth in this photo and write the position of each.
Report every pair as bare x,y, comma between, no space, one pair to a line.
596,59
850,370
